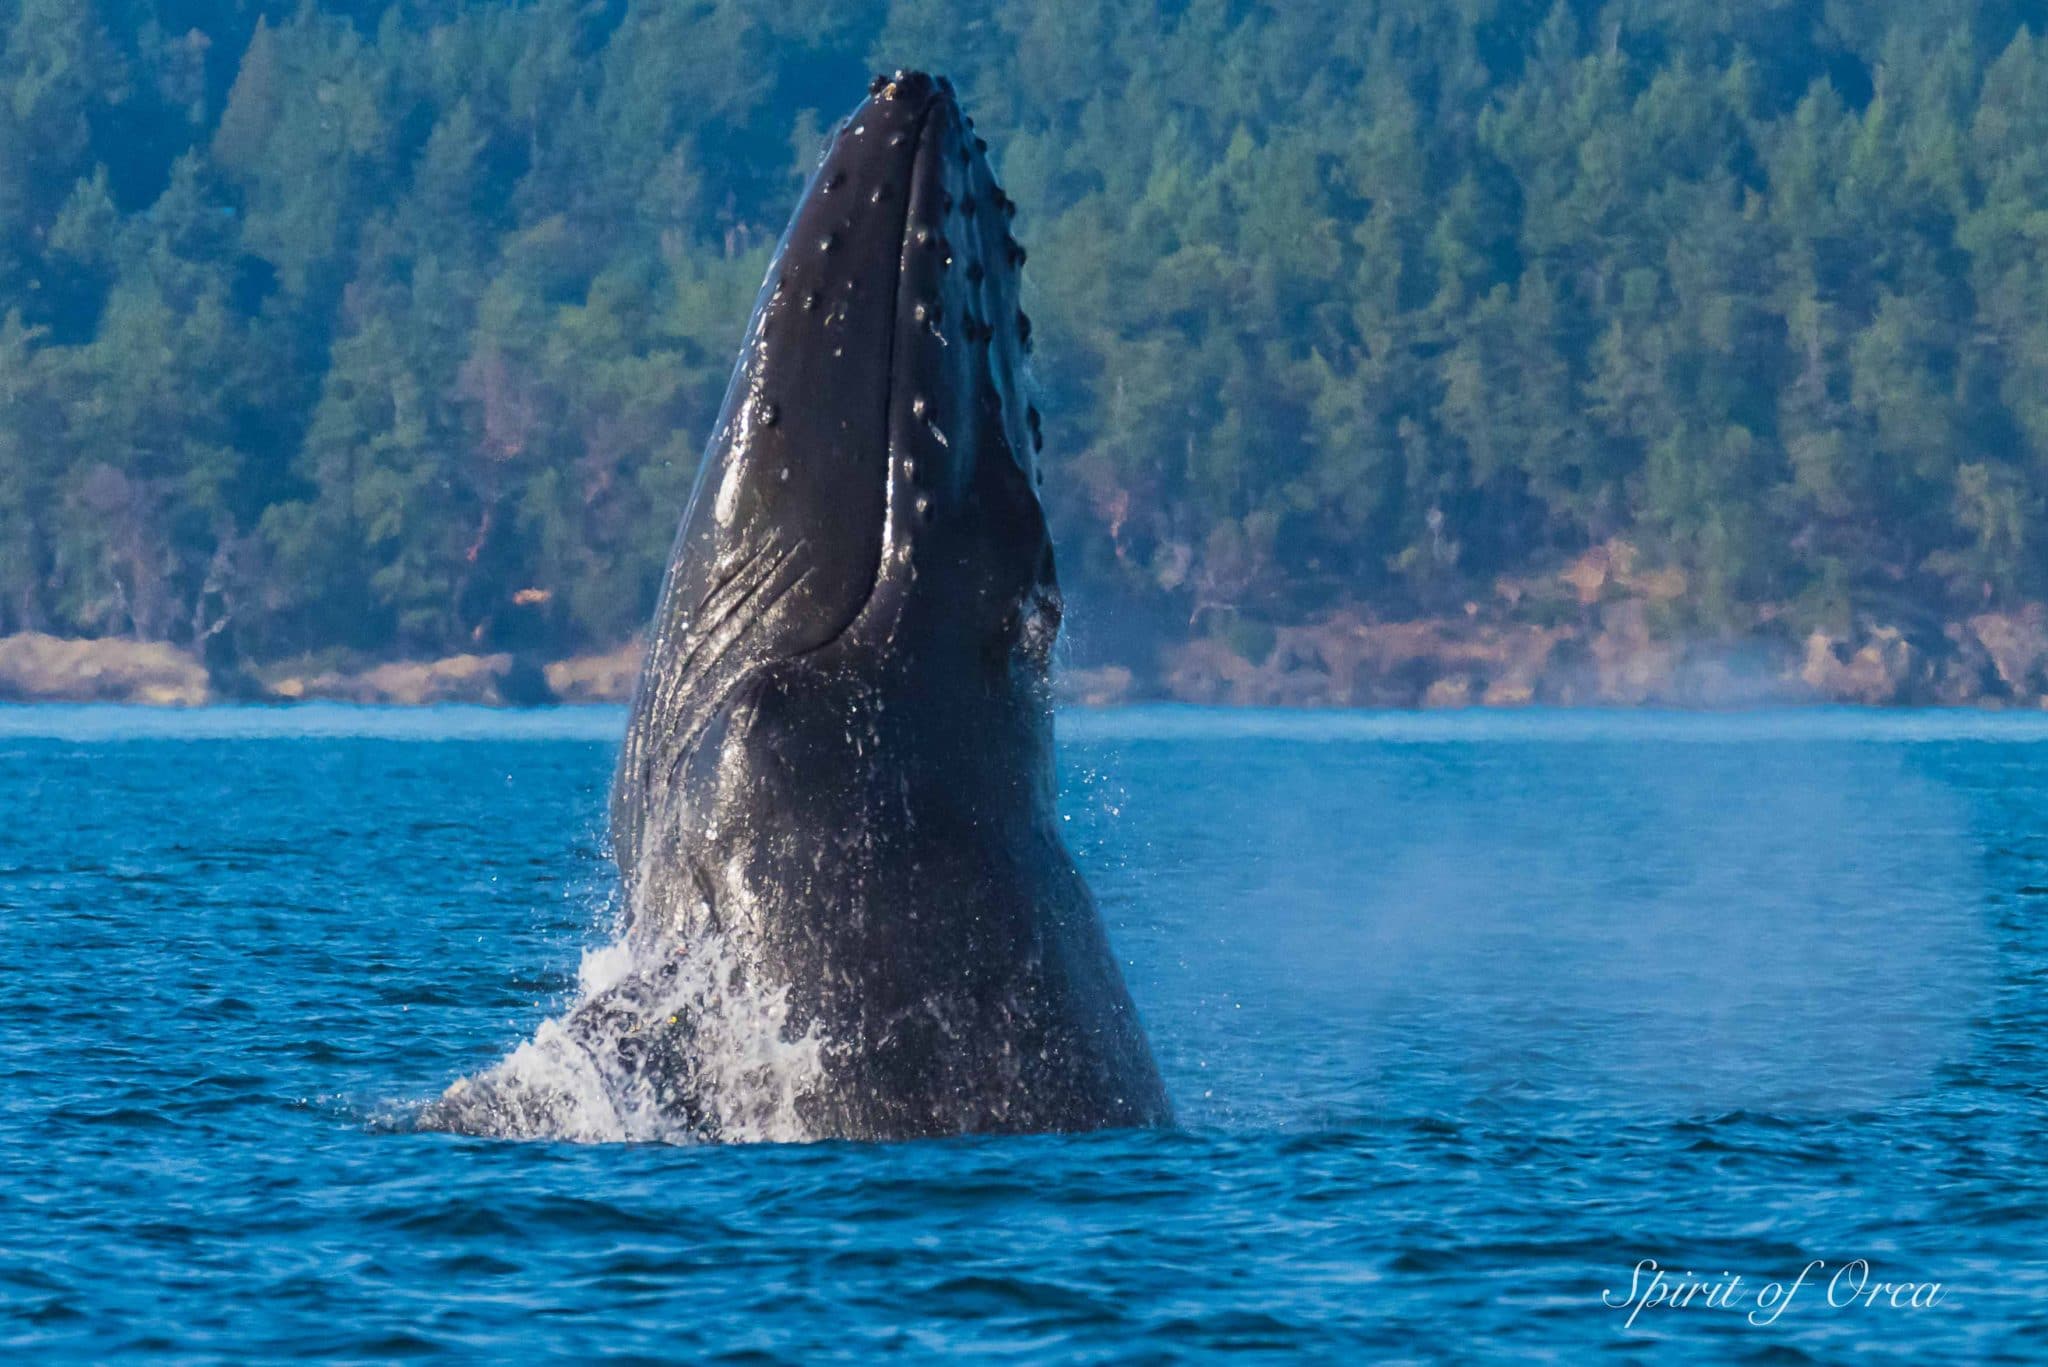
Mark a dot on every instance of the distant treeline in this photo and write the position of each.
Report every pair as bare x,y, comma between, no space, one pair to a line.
399,327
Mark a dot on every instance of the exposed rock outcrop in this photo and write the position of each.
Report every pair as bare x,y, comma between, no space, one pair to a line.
609,677
1346,662
1880,670
2017,644
39,668
1103,687
489,680
1618,660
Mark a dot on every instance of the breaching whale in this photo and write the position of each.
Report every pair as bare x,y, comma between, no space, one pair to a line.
834,809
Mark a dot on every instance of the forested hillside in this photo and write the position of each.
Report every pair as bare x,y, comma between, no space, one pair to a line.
399,327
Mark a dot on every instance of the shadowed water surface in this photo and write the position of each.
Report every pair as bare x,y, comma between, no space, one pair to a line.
1463,1016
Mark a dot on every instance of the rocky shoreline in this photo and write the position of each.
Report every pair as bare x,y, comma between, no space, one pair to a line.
1589,635
1993,660
1997,660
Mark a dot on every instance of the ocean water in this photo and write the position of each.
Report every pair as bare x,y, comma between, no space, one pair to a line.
1467,1019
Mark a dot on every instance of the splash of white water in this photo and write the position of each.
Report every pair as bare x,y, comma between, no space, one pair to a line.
661,1045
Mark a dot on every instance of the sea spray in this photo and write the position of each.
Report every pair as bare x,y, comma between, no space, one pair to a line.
679,1046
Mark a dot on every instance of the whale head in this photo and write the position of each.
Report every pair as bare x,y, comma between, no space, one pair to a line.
848,908
870,487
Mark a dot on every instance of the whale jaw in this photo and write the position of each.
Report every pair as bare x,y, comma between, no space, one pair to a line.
875,462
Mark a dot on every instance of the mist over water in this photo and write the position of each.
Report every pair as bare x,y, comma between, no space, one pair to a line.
1610,926
1462,1016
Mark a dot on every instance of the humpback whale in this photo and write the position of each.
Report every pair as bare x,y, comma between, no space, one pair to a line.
833,812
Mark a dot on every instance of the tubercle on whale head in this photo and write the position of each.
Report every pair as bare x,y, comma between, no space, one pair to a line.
882,403
871,482
964,436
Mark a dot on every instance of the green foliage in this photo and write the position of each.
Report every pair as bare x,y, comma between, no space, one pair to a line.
400,327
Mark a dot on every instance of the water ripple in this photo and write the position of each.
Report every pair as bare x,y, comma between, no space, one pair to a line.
1463,1018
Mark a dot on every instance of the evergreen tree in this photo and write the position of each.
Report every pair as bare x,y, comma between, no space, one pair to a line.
399,327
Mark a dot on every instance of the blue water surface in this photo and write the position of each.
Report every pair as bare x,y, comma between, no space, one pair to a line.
1465,1017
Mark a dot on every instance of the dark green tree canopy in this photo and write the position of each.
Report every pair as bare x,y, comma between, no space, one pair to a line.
399,326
